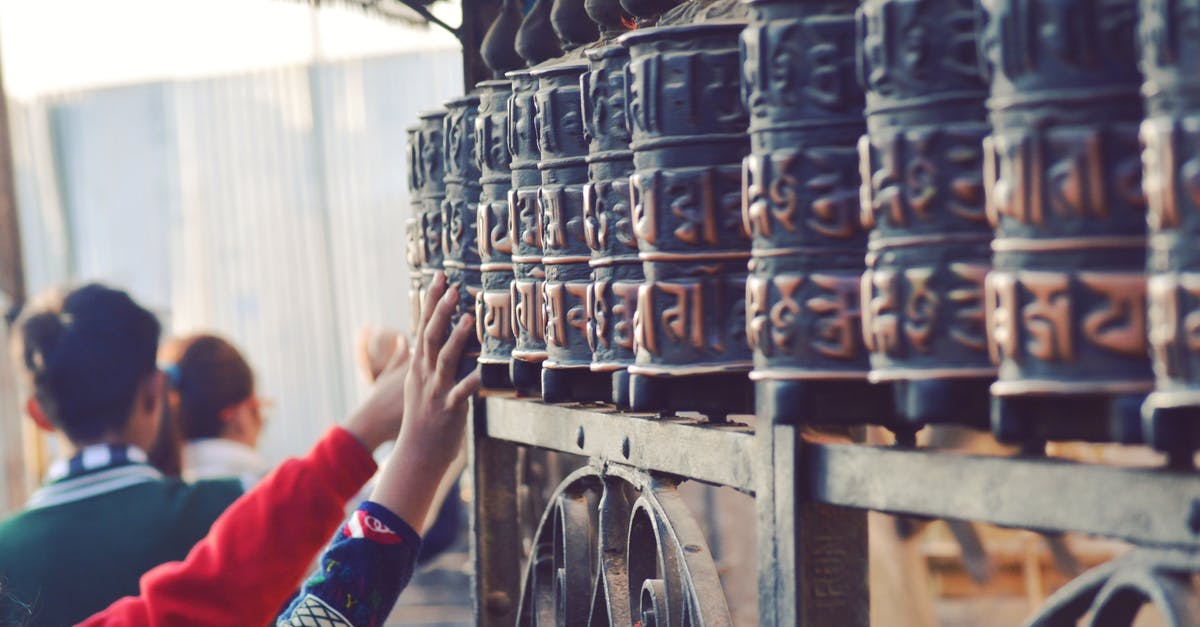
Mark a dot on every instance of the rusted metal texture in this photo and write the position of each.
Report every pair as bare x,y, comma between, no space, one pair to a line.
1170,136
608,221
493,305
922,198
688,129
1066,303
800,204
529,275
431,165
459,207
414,234
558,122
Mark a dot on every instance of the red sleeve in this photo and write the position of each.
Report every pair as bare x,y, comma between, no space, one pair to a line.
258,551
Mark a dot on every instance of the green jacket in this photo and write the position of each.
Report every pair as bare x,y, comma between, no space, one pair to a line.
102,520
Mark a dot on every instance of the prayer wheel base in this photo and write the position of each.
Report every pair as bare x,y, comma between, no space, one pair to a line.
965,402
716,394
526,377
575,385
1082,417
495,376
1172,430
824,402
620,389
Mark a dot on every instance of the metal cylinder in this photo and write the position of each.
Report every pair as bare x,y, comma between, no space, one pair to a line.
414,244
529,320
1066,304
566,373
460,248
431,164
608,221
688,130
493,305
1170,61
922,197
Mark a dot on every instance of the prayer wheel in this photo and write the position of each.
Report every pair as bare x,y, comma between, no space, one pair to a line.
608,220
1170,61
431,164
529,275
493,305
558,124
1066,300
414,246
688,130
460,248
922,198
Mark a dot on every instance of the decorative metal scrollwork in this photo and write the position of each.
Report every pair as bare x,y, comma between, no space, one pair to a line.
1115,592
618,546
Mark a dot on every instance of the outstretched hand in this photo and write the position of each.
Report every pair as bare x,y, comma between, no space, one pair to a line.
379,418
435,407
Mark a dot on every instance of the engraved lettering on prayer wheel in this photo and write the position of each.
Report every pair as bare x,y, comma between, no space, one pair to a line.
493,305
800,203
688,129
414,244
459,246
528,315
1066,302
922,196
1170,57
431,165
608,220
558,124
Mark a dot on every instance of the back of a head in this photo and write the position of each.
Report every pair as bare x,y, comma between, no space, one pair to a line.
210,376
84,355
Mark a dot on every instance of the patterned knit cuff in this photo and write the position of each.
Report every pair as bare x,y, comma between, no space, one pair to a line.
384,515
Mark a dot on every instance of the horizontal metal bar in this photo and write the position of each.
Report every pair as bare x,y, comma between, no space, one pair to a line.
720,453
1144,506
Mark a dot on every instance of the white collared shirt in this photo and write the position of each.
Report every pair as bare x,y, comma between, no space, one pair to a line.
217,458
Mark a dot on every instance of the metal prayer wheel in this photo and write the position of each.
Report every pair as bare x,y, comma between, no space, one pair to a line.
608,220
558,122
688,129
528,315
1170,61
431,165
460,249
414,246
800,203
1066,301
493,305
922,197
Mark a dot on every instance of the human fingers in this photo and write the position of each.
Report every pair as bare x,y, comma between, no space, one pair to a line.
464,389
439,323
451,353
432,297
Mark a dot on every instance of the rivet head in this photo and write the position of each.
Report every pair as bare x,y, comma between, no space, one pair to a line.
579,438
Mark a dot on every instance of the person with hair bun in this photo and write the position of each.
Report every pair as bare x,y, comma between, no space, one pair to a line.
216,410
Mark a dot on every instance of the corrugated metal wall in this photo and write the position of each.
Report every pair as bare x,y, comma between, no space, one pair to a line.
267,207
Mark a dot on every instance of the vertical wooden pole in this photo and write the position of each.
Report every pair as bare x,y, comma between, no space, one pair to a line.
495,531
12,295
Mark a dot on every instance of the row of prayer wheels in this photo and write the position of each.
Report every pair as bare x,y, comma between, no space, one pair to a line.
897,212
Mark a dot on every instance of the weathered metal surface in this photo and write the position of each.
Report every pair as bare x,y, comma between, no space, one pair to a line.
922,197
558,123
413,232
608,221
1169,134
688,129
495,535
536,41
1066,301
1143,506
460,246
602,433
619,547
432,168
493,306
800,204
525,227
